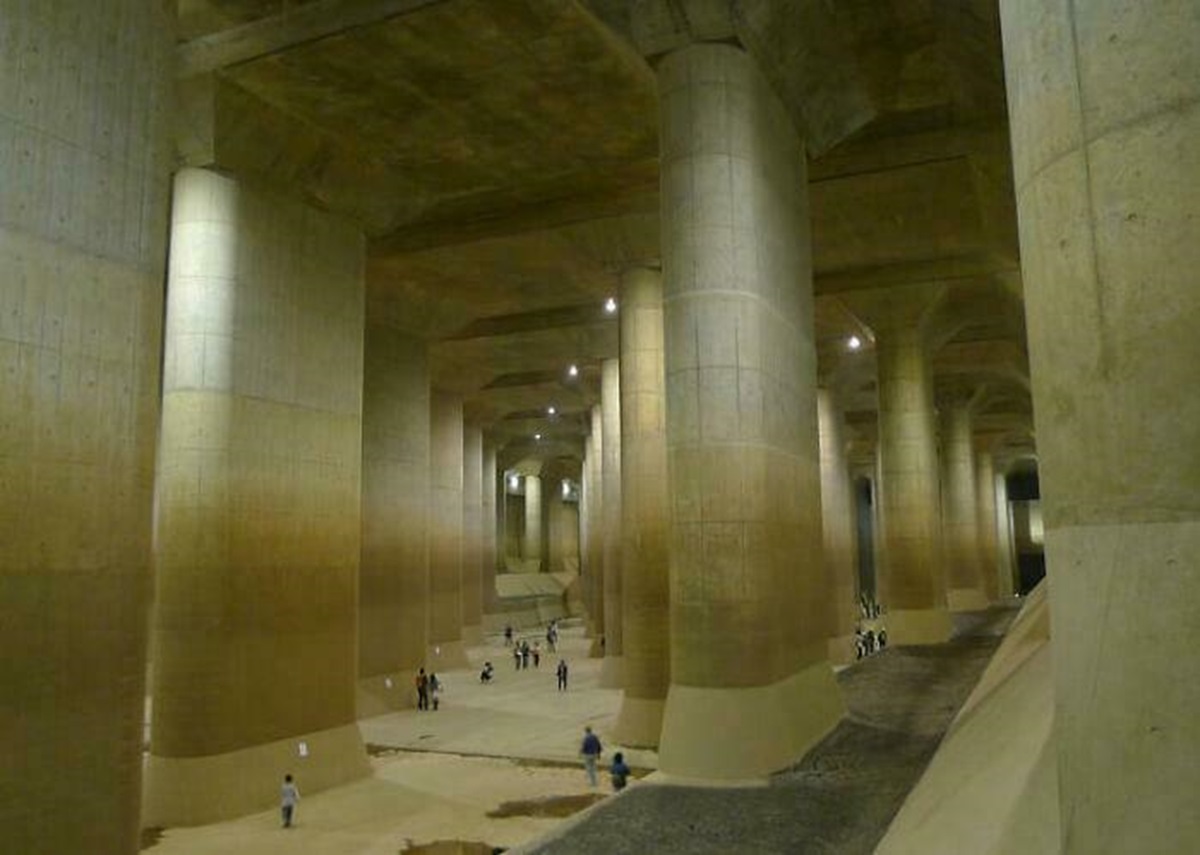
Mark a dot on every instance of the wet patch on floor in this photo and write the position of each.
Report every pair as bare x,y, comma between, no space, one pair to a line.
451,847
554,807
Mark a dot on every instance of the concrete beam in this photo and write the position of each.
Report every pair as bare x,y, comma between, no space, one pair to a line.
301,25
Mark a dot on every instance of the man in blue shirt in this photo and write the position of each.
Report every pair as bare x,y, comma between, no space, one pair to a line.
590,750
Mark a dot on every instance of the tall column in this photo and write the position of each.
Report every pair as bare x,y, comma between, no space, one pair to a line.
1004,535
985,503
259,539
645,511
531,542
393,581
491,524
1104,100
446,535
595,523
838,526
909,546
960,514
749,605
84,166
610,404
472,541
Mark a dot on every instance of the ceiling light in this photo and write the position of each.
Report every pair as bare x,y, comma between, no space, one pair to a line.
610,305
855,342
551,411
514,481
537,436
573,371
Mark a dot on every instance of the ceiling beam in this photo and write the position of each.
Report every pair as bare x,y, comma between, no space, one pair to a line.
298,26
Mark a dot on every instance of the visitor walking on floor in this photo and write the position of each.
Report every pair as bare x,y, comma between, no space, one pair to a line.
619,772
591,750
422,682
435,689
288,796
561,671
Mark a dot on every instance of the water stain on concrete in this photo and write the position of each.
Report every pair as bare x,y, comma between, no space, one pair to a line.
555,807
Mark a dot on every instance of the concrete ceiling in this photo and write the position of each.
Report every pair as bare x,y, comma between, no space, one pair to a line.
502,157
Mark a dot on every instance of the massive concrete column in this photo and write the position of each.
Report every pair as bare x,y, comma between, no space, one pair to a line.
749,606
995,587
393,582
1004,535
645,511
1104,100
446,534
84,165
960,513
595,524
839,528
472,540
562,521
258,539
909,546
610,405
531,541
491,525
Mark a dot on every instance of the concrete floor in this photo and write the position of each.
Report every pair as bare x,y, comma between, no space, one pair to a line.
438,774
453,767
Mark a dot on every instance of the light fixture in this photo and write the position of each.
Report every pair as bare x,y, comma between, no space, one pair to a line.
566,488
551,411
573,371
854,343
537,436
610,305
514,481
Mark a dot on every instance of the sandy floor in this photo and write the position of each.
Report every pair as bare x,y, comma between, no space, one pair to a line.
438,774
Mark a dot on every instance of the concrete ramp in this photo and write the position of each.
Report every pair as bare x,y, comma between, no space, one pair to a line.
991,788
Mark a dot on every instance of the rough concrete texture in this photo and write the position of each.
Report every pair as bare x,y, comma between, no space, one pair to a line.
997,585
393,583
960,517
258,540
594,485
84,171
445,613
532,538
838,800
748,587
489,558
645,510
840,534
1104,101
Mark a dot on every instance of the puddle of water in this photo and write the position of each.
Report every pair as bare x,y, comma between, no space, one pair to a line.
452,847
555,807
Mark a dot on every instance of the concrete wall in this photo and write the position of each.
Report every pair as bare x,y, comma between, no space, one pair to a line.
83,222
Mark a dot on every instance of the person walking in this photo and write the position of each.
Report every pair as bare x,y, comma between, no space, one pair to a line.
435,690
288,796
422,682
561,671
591,750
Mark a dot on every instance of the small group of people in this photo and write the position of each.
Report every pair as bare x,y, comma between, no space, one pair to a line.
522,653
429,690
591,749
867,641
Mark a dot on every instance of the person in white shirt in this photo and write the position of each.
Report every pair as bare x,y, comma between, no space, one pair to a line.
289,795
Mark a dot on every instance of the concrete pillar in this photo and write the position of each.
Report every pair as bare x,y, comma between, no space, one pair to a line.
1007,546
960,513
84,166
749,605
472,542
838,526
393,582
531,542
562,523
258,539
994,587
909,546
595,523
446,648
1104,101
611,675
645,511
491,527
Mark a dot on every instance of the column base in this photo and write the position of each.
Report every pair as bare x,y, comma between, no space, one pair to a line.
183,791
596,648
745,734
842,650
384,693
472,635
917,626
967,600
612,672
639,722
446,656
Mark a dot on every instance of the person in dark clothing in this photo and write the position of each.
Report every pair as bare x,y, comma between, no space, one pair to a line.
591,750
422,683
619,772
561,671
